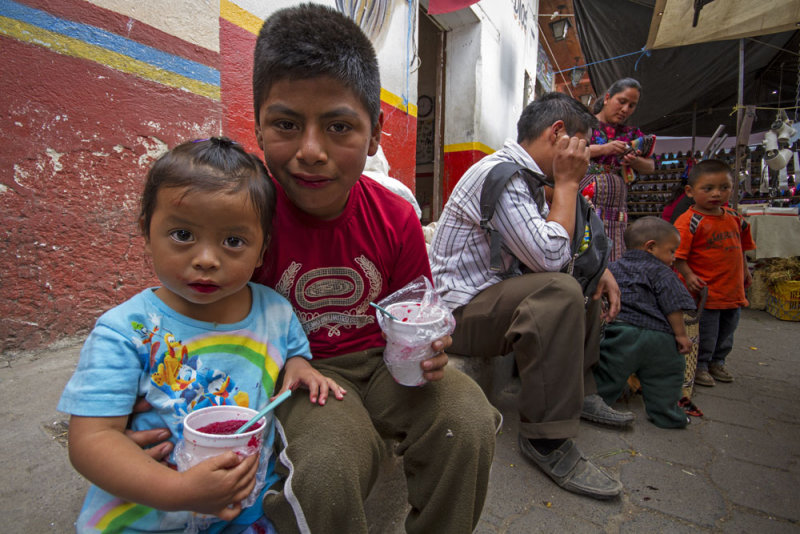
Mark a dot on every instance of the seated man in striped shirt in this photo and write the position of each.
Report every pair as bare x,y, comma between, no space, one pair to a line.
529,307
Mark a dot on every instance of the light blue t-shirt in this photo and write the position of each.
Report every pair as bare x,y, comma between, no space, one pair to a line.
144,348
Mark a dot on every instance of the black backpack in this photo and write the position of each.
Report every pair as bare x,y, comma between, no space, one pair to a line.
590,245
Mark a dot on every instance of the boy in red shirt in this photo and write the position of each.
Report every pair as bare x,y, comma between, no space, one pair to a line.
713,241
339,241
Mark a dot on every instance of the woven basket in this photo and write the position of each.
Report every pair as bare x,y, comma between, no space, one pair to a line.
692,322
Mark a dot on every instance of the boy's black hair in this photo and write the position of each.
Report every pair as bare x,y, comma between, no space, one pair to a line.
311,40
616,87
708,166
549,108
648,228
210,165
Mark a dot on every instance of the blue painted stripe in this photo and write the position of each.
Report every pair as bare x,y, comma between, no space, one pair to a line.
110,41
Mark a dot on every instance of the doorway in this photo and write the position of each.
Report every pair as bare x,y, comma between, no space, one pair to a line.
430,118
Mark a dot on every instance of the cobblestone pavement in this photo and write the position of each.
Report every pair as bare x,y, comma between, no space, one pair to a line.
735,470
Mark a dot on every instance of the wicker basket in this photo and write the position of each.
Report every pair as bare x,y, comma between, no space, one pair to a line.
692,322
783,300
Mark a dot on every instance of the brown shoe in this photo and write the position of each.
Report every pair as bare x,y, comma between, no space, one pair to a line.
703,378
719,372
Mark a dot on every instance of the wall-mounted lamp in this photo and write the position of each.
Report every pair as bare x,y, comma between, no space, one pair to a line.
559,28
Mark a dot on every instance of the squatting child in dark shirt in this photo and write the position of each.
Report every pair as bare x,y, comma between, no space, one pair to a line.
649,336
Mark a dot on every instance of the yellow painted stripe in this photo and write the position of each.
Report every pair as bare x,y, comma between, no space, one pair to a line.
240,17
68,46
113,514
394,100
463,147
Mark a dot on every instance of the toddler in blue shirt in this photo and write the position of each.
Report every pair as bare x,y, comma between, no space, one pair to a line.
648,337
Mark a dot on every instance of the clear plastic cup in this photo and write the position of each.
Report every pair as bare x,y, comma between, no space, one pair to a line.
409,338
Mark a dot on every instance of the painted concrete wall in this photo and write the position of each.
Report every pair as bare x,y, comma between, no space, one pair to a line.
90,98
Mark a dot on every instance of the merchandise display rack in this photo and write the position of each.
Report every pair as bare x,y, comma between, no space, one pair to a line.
651,190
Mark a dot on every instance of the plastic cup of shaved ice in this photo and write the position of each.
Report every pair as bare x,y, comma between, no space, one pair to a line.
209,432
409,338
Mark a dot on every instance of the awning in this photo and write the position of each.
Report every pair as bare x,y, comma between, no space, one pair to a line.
679,23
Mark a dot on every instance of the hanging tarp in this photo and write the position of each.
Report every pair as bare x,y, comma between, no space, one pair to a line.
680,23
674,80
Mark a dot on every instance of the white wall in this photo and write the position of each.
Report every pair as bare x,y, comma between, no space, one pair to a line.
487,56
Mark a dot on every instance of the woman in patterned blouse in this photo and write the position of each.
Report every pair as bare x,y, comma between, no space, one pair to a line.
614,159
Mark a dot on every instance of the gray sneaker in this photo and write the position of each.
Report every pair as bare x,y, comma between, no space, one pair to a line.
719,372
571,470
595,409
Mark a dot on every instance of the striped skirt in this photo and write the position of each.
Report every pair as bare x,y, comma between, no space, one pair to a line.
611,203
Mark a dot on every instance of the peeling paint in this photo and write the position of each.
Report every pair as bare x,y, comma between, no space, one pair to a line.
55,156
154,148
17,123
20,174
3,188
118,148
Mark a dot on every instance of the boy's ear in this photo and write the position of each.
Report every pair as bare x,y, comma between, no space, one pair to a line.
375,136
649,245
688,190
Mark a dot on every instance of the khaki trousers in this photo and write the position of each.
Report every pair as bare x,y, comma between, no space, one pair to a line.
555,339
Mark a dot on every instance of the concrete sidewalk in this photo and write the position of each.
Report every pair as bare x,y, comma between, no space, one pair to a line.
735,470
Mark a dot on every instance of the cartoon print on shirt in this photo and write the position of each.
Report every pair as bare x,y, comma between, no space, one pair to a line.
183,378
340,287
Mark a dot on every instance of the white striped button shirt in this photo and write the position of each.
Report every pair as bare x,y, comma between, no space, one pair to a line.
459,253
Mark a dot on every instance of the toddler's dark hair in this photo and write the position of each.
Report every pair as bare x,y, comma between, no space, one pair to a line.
648,228
708,166
211,165
547,109
309,41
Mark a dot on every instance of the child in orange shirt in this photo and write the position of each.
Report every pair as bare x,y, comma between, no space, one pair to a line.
714,238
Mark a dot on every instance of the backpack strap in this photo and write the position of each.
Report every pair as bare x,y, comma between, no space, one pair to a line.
694,222
493,186
733,213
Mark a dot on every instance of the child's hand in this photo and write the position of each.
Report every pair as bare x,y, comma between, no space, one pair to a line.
218,485
694,283
298,371
433,367
748,277
684,344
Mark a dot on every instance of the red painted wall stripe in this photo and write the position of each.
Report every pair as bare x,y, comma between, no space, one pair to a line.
455,165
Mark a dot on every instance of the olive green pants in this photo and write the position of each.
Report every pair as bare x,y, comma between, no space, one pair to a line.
654,357
445,432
